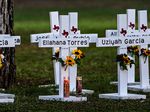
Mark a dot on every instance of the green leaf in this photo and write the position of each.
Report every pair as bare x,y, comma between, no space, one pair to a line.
78,62
53,58
61,61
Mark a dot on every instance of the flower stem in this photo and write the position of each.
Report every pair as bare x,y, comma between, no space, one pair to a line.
66,67
145,59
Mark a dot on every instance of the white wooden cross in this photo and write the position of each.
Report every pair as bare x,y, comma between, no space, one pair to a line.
131,28
55,29
64,44
73,30
8,41
144,65
125,39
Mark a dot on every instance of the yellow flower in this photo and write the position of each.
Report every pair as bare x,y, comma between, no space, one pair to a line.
147,52
135,49
69,61
126,59
78,53
1,65
1,61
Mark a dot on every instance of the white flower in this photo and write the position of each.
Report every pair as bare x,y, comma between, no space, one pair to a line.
2,56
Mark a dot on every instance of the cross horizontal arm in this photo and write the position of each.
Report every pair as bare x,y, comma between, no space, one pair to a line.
16,39
7,42
92,37
35,37
10,41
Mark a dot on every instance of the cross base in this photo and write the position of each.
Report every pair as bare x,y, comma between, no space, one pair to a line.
129,83
67,99
2,95
48,85
86,91
139,88
6,98
117,96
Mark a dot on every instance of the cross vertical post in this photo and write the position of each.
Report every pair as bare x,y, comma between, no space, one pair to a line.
122,75
131,28
64,52
143,62
55,29
73,28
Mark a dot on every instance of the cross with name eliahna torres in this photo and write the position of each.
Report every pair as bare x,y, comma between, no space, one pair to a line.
64,45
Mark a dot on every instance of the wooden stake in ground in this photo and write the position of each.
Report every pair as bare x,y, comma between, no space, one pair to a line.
8,72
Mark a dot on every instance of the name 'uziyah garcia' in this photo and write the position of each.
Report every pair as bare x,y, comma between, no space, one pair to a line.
113,42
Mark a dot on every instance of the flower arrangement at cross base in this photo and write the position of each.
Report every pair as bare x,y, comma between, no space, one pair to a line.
145,53
133,50
75,58
124,60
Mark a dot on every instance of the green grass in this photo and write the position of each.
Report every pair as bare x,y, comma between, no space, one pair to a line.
34,65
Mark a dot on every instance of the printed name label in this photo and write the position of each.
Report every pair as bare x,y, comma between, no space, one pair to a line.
63,42
7,42
15,39
122,41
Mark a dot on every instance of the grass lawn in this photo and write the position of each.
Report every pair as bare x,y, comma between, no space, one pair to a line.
34,65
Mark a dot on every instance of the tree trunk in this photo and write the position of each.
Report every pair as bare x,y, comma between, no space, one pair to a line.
8,71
